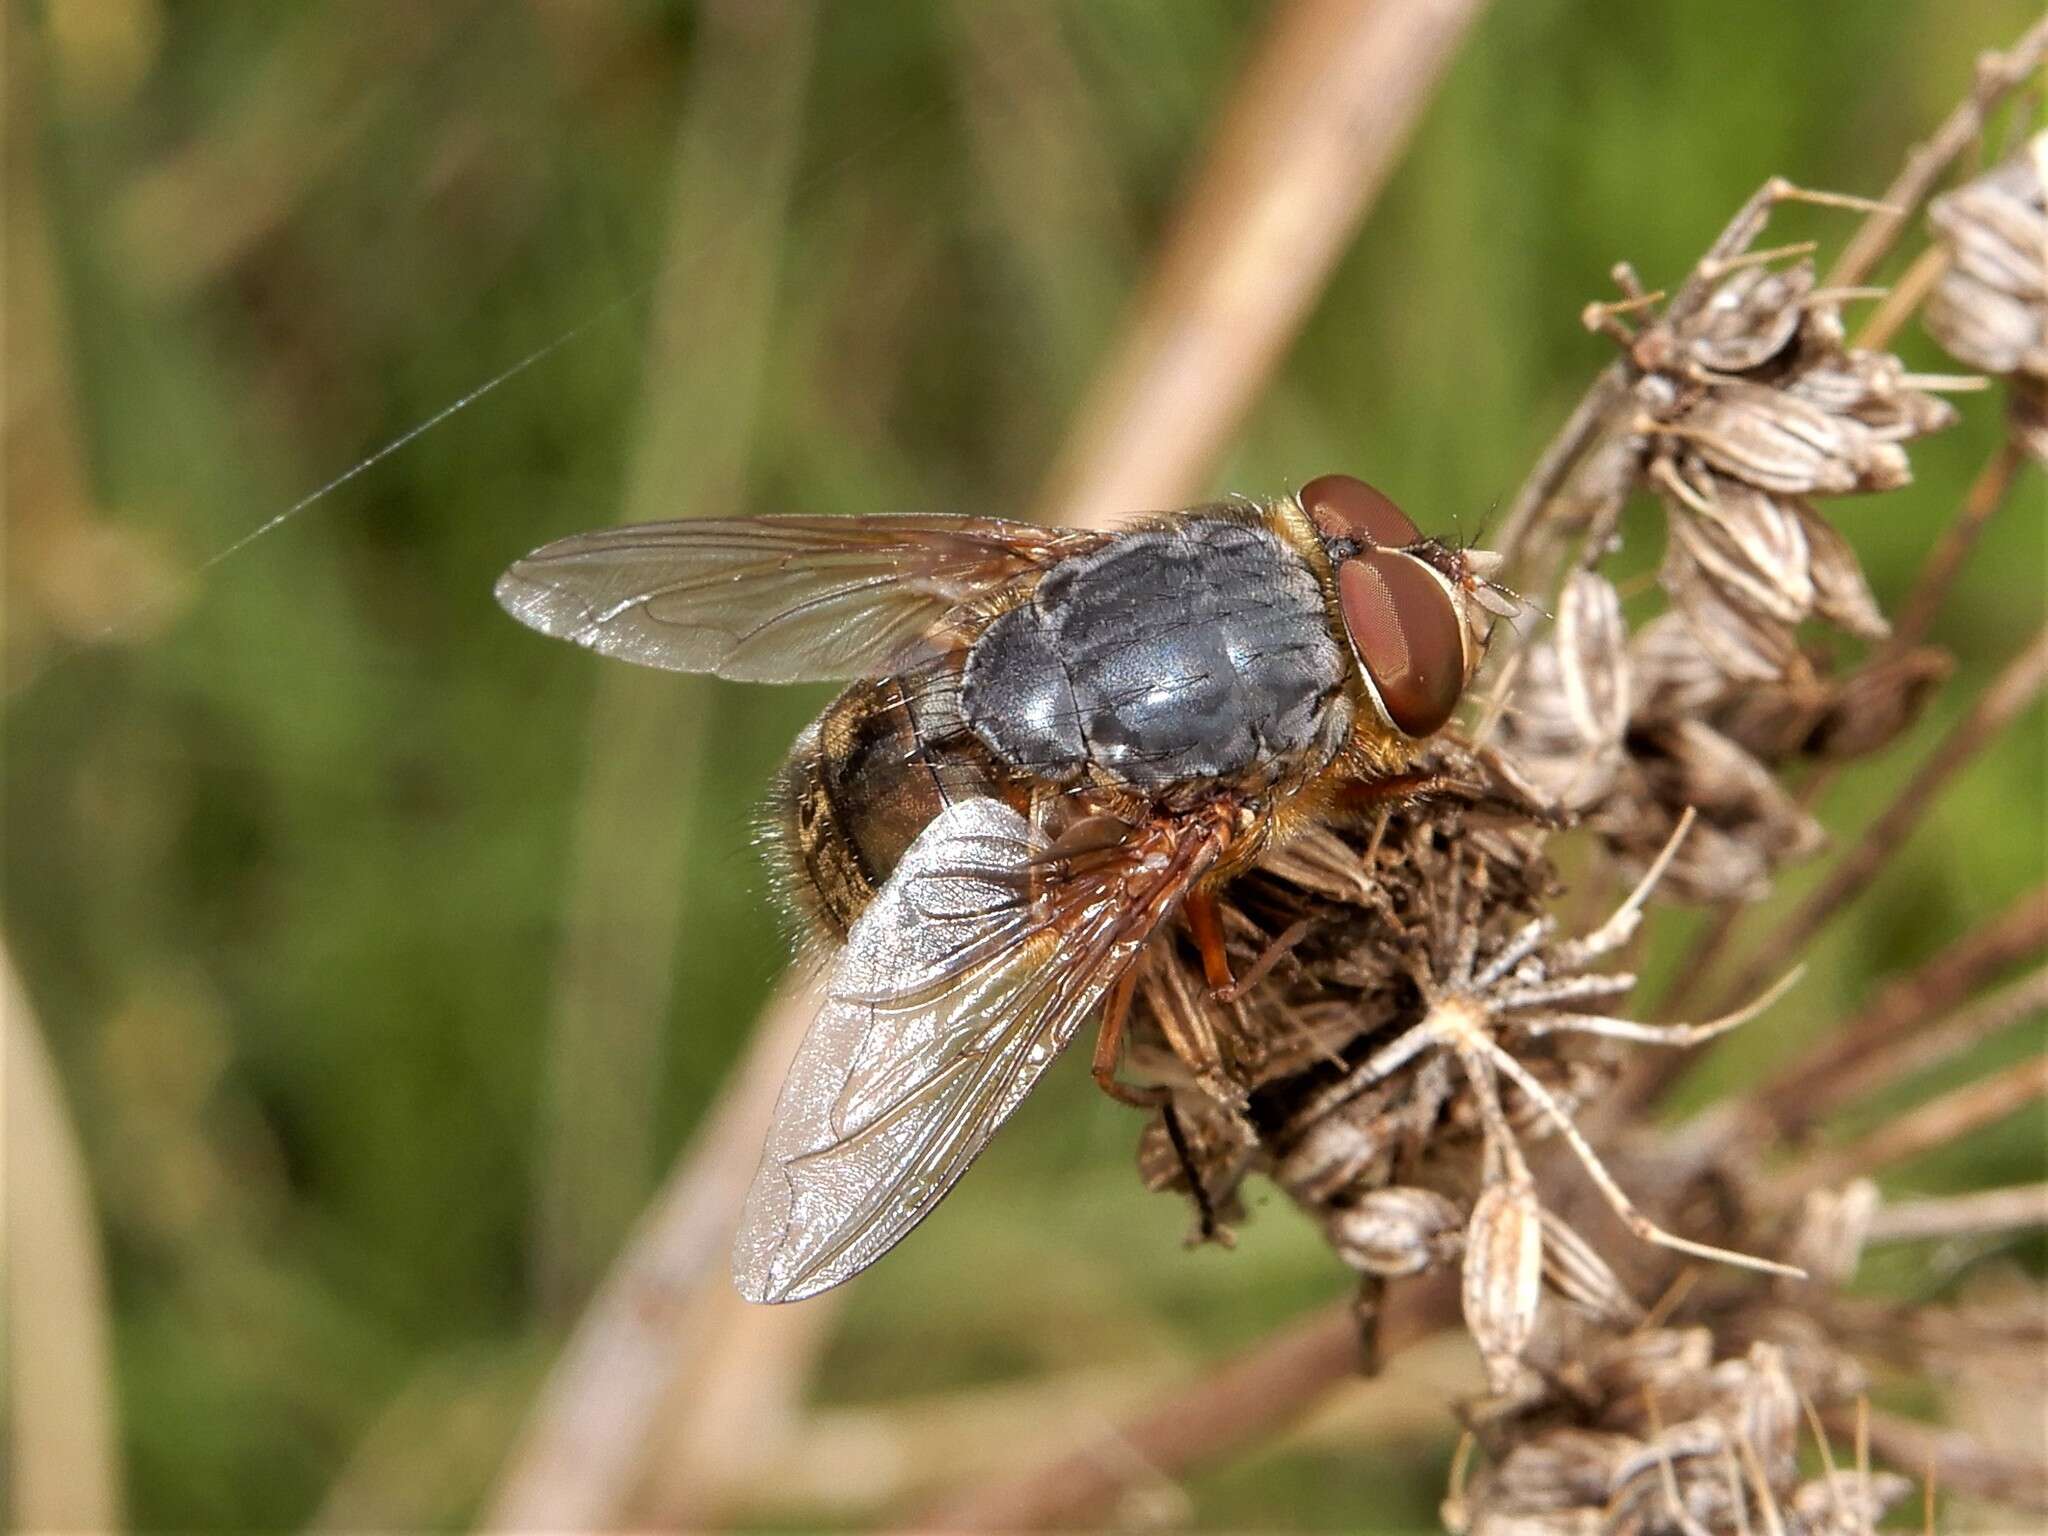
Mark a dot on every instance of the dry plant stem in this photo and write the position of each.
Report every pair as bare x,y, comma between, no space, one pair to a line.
2011,692
1932,1044
60,1405
582,1448
1924,1128
1902,299
1242,1401
1998,75
1905,1005
1588,419
2021,1208
1959,1463
1308,139
614,980
1988,493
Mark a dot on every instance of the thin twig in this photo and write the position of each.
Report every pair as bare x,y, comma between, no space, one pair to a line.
1962,1463
2020,1208
1308,139
1240,1402
61,1416
1938,572
2011,692
1998,75
1906,1004
1934,1124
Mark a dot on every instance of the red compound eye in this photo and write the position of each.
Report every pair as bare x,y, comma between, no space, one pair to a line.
1343,507
1405,630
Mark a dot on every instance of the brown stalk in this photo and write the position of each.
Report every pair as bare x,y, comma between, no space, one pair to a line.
2020,1208
1308,139
1956,1462
2011,692
1987,493
1934,1124
1998,75
613,994
66,1472
1236,1404
1903,1006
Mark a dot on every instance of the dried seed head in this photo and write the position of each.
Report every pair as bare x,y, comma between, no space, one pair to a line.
1503,1278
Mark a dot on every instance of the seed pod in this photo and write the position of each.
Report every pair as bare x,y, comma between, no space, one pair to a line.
1338,1153
1749,319
1592,641
1875,705
1995,228
1394,1232
1750,544
1582,1277
1848,1501
1841,595
1503,1280
1743,642
1671,675
1778,442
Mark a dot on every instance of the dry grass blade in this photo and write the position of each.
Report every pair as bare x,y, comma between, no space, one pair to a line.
1945,1040
614,979
1239,1403
582,1449
1306,143
1906,1004
2010,693
2021,1208
1934,1124
65,1471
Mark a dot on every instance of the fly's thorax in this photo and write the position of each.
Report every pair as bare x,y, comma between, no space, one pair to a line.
1193,653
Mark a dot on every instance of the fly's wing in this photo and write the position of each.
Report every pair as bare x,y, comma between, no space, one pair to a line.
973,967
771,599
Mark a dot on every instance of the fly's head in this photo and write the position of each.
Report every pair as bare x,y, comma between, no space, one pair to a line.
1416,612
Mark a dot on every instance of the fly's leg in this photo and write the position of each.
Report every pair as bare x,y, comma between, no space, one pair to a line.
1109,1039
1205,922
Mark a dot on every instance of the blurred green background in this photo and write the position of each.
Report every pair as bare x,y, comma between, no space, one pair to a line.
292,865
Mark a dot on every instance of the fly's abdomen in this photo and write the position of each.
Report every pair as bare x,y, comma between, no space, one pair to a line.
1170,656
860,783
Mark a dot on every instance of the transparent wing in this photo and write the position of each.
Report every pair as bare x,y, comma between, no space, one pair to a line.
771,599
974,966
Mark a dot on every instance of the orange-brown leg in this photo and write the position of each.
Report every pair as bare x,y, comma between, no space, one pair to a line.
1109,1039
1206,923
